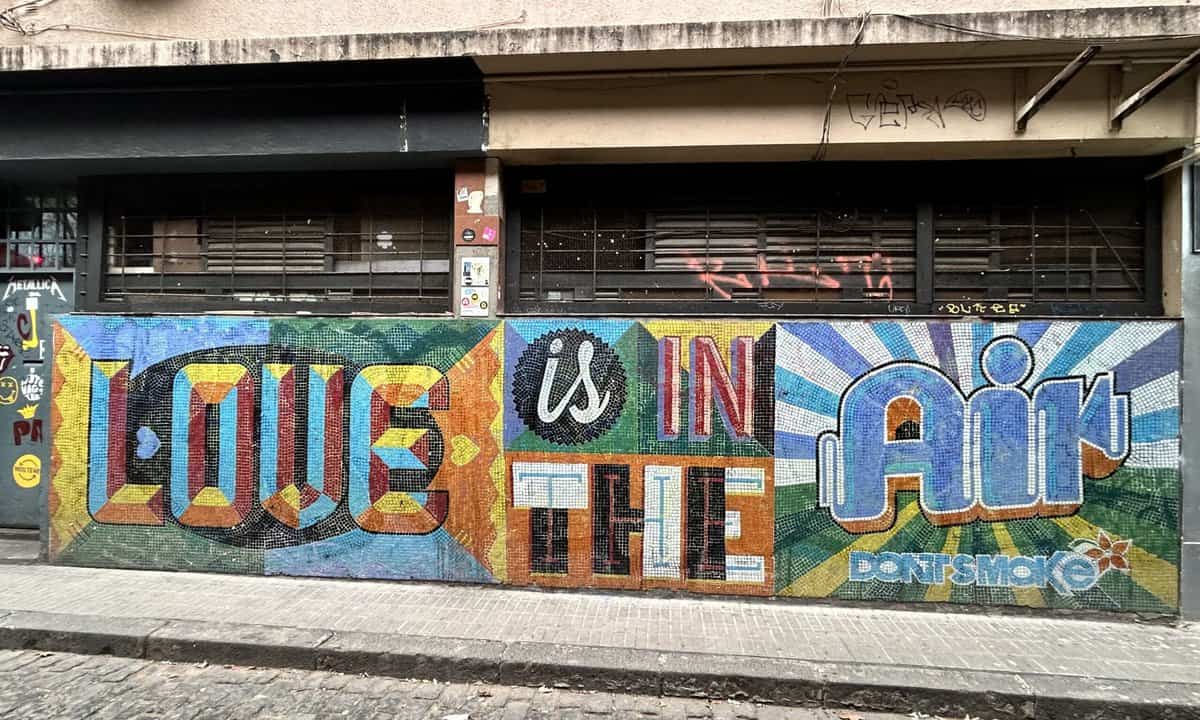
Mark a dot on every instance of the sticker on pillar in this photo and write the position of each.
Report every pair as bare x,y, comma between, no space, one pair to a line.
479,231
32,386
475,202
27,471
8,390
28,427
475,301
476,271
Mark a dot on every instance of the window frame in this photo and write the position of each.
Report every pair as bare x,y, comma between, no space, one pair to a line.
923,303
91,265
65,248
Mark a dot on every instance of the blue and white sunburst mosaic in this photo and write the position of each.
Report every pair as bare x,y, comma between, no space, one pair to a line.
983,425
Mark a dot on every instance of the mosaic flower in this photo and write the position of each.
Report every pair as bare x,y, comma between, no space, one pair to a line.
1105,552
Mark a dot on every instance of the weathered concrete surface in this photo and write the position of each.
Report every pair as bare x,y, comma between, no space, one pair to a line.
873,687
452,659
77,633
256,18
19,545
578,666
1178,239
884,30
779,652
541,120
241,644
65,686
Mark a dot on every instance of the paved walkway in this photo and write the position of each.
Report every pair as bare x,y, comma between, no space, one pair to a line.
18,545
784,651
52,686
1117,650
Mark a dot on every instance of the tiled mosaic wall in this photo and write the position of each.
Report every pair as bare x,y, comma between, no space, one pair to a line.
1031,463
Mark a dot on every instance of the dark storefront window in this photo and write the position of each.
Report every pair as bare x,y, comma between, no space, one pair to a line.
1090,251
981,238
345,241
596,254
38,228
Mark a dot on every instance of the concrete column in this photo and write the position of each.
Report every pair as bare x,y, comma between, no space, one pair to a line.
1178,194
1178,191
478,214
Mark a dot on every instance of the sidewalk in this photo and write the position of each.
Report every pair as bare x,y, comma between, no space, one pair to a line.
18,545
784,652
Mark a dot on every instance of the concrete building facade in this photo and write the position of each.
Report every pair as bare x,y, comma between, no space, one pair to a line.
828,300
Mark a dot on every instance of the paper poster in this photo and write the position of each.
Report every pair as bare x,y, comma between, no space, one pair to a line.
476,271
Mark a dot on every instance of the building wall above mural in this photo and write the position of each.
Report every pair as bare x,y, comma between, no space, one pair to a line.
75,21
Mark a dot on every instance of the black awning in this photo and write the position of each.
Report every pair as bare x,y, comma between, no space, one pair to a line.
401,112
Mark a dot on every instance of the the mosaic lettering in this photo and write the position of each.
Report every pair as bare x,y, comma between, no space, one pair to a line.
211,482
300,468
396,448
1025,462
730,390
996,455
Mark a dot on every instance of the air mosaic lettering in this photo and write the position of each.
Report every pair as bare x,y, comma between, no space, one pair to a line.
1031,463
1001,453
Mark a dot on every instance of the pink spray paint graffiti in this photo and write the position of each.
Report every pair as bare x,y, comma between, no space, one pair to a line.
875,270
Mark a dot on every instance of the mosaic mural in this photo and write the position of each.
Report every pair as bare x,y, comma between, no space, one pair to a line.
1031,463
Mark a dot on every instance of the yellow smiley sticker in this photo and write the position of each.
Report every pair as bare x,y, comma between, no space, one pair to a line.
27,471
8,390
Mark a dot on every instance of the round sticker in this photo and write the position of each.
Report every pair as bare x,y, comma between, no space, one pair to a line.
27,471
8,390
468,235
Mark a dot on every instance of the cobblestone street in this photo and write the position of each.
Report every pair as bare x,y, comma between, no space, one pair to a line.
44,685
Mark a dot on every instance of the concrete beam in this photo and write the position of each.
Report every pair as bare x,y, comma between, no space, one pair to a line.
1041,31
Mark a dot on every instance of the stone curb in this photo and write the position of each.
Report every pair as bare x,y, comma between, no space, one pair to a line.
885,688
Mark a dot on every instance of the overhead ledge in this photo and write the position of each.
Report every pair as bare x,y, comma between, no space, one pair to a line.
1039,30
